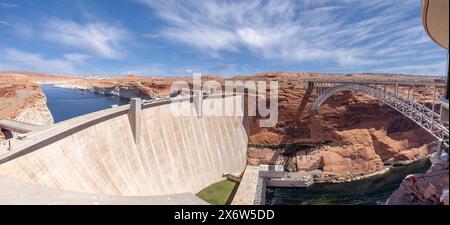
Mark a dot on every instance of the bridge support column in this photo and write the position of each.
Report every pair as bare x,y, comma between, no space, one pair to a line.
444,113
439,150
434,98
408,93
396,89
134,117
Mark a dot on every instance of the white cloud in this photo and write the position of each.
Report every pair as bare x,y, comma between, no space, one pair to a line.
151,36
101,39
15,59
151,69
349,34
161,69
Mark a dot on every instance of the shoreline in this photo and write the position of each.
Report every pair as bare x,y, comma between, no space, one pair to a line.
321,177
108,91
331,191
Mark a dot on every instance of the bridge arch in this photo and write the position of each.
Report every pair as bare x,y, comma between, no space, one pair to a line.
420,114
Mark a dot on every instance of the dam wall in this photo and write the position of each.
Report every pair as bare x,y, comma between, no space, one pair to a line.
176,154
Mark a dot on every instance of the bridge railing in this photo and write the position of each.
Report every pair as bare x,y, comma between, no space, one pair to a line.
419,113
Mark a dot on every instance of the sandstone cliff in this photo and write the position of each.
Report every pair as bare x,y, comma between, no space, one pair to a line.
22,100
361,134
130,86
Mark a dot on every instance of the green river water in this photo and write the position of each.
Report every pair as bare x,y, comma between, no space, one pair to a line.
370,191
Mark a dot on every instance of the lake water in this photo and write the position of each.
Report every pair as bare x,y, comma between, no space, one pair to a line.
371,191
67,103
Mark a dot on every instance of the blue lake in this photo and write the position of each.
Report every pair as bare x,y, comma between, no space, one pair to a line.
67,103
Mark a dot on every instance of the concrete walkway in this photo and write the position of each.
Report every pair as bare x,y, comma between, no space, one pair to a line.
22,193
246,193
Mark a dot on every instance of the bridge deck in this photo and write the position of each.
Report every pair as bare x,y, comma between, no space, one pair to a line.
369,81
423,115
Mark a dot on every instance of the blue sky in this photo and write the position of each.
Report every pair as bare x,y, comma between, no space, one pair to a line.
175,37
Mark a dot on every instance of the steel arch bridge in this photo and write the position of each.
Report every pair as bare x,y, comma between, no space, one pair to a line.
425,117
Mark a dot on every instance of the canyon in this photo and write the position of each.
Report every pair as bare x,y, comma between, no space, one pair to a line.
356,134
351,136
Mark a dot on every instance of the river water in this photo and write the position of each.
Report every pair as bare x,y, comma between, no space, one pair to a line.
68,103
370,191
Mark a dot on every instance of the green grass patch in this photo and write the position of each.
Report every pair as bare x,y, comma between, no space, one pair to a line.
220,193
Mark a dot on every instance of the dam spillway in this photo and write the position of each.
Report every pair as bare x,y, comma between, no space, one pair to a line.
97,154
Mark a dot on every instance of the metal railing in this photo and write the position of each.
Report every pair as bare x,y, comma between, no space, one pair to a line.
419,113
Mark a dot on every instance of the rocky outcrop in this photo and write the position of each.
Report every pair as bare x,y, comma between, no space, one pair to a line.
37,112
23,101
430,188
131,86
266,156
120,91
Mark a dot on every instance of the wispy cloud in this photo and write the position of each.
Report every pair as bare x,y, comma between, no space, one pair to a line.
156,69
151,36
76,58
153,69
346,34
5,5
97,38
23,30
416,69
162,69
13,59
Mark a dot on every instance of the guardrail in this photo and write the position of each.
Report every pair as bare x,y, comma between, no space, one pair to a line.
419,113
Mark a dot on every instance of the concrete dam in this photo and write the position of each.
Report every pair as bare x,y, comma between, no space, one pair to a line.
129,154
